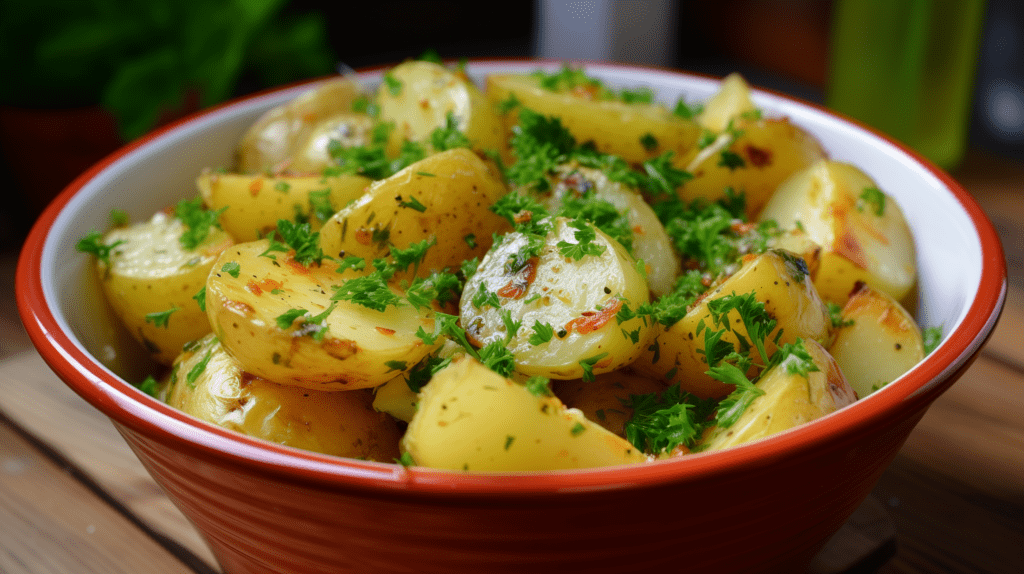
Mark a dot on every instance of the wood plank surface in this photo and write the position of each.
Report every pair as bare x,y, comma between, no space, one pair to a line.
76,532
33,398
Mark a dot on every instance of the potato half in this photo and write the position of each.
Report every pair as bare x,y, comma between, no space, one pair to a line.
152,273
256,202
862,231
778,280
352,347
418,96
470,418
878,342
208,383
446,197
269,144
577,300
790,399
636,132
601,400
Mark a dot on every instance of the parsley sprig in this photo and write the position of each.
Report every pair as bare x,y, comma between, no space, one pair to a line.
197,221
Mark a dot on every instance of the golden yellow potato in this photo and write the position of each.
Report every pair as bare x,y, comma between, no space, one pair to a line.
730,102
574,300
418,96
601,400
208,383
878,342
352,347
446,197
777,279
470,418
789,399
151,280
636,132
255,202
862,231
765,154
311,154
270,143
651,244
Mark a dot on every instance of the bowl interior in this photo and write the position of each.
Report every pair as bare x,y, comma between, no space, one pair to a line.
161,169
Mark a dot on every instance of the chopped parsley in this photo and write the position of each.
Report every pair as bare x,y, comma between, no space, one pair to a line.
874,198
732,160
232,268
835,315
412,203
542,333
394,85
931,337
539,386
449,136
320,204
148,386
161,318
200,298
93,244
588,366
197,221
585,245
197,370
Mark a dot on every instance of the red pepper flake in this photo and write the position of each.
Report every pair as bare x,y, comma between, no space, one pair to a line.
740,228
266,285
256,186
523,216
759,157
590,321
296,266
385,331
520,282
363,236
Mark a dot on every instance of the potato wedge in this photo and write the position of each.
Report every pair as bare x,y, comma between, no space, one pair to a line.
417,96
270,143
470,418
397,398
446,197
311,153
208,383
352,347
576,300
601,400
862,231
650,242
152,273
729,104
636,132
789,399
778,280
766,153
255,202
878,342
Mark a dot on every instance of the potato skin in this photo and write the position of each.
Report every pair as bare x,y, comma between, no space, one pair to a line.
362,347
222,393
472,419
151,273
878,342
455,189
256,202
857,243
615,127
676,354
577,299
790,399
418,97
269,144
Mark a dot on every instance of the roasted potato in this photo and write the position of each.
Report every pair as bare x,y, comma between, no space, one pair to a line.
471,418
151,280
208,383
778,280
862,231
575,301
334,345
254,203
273,140
877,342
604,399
636,132
790,398
650,243
445,197
417,97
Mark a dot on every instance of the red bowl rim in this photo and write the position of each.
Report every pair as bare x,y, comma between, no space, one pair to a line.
162,424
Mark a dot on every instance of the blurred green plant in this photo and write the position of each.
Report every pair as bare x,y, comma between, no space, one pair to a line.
140,59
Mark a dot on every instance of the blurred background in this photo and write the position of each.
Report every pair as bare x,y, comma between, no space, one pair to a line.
84,76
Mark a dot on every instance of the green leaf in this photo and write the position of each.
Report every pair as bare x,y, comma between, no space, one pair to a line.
197,221
161,318
232,268
931,337
93,244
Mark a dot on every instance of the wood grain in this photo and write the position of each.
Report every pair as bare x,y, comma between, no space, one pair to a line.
73,533
33,398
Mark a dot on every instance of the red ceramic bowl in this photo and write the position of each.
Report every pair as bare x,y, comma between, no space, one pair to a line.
765,506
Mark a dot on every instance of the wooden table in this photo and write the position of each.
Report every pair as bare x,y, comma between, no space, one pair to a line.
74,499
